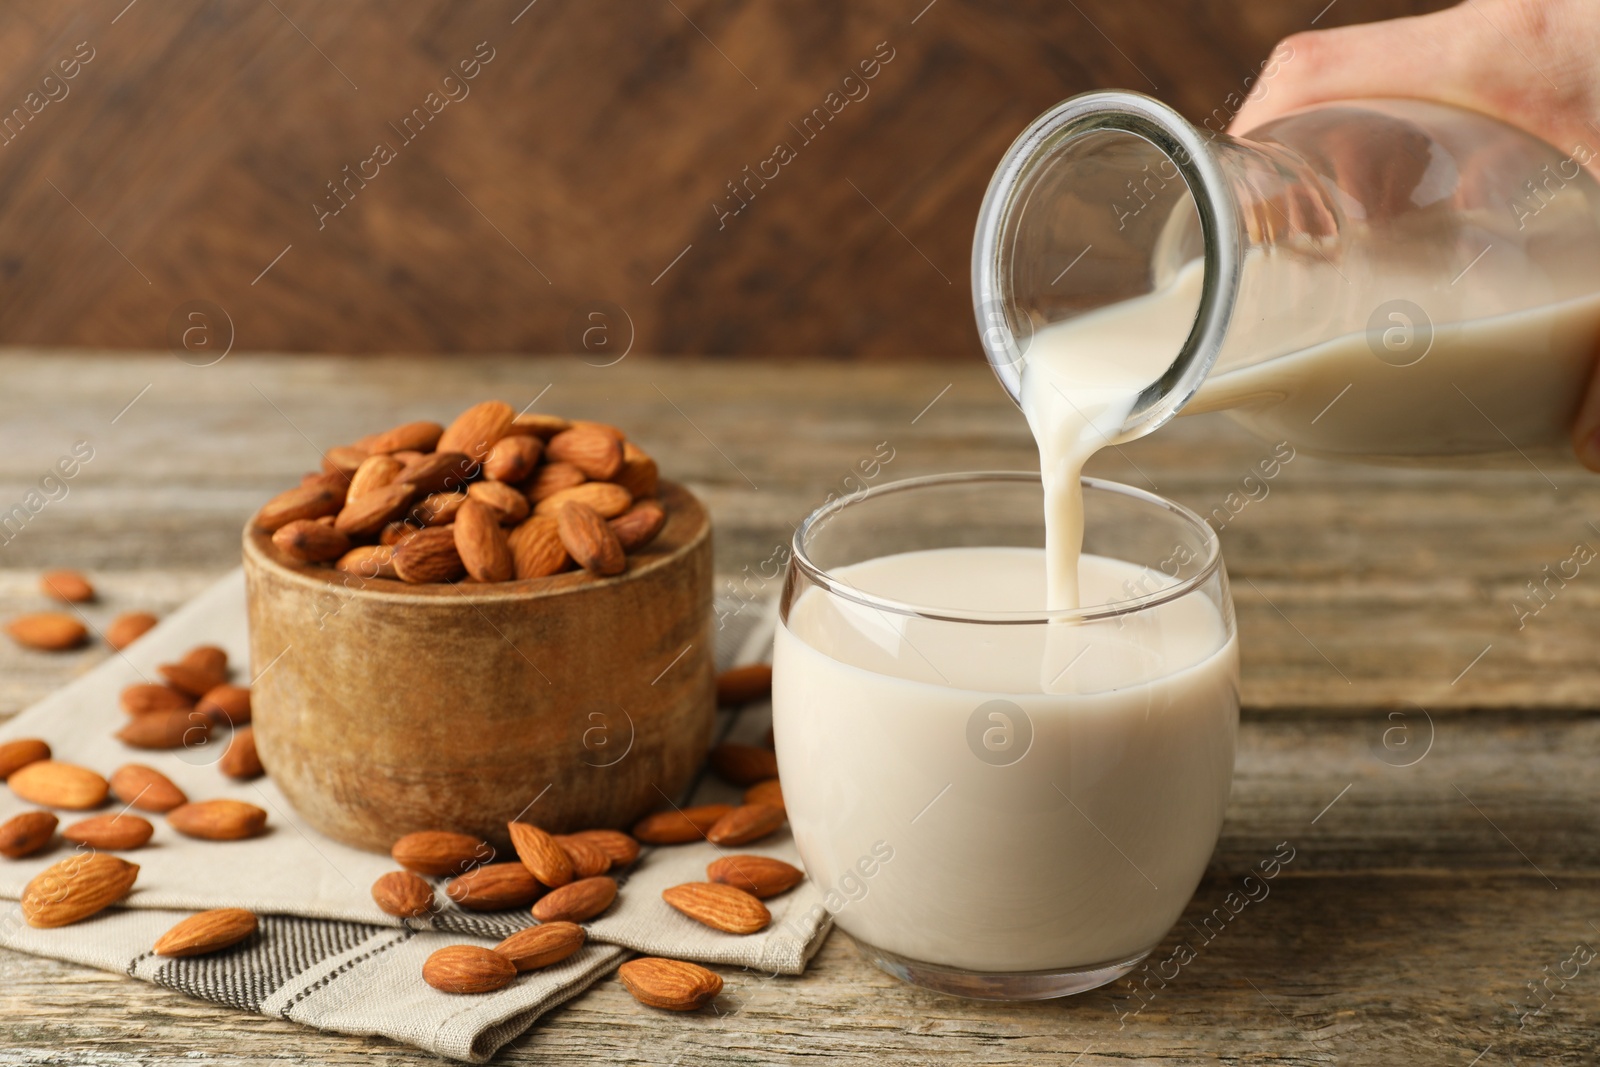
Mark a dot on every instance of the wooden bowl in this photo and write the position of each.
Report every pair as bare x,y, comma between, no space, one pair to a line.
381,708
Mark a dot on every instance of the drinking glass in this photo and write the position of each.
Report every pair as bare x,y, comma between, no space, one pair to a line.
998,803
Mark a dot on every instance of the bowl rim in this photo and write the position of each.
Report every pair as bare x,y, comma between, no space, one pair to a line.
681,504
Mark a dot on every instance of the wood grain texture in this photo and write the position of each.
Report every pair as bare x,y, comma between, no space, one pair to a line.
1443,854
585,158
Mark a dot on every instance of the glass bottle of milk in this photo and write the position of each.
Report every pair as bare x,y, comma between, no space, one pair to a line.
1386,280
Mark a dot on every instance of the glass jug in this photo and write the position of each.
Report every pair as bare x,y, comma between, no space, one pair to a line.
1387,280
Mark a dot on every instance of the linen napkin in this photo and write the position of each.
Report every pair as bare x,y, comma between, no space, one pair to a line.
325,955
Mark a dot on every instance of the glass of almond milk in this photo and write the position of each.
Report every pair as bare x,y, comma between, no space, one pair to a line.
1001,800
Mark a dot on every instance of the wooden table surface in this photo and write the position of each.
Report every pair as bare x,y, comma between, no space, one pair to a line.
1430,763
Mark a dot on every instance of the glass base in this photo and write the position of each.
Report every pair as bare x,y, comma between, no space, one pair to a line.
1000,985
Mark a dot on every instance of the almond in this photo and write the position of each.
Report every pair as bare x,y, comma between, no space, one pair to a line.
482,544
587,859
343,460
310,541
536,548
744,685
760,876
495,887
639,525
403,894
540,946
512,459
70,586
47,631
766,792
744,765
618,846
439,472
114,833
468,969
226,703
589,540
440,852
241,761
595,452
145,788
128,627
209,931
672,985
368,561
606,499
476,429
542,426
218,820
407,437
554,477
366,516
375,472
209,659
719,906
396,532
193,680
745,824
23,835
638,475
576,901
166,730
14,755
141,698
679,826
437,509
53,784
505,499
603,427
310,501
76,888
428,556
541,854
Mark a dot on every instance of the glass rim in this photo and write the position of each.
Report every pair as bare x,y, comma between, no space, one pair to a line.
1098,613
1193,153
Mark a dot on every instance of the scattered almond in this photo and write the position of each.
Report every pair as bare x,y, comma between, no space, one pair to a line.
587,858
468,969
403,894
744,765
166,730
760,876
194,680
639,525
128,627
207,659
226,703
141,698
495,887
440,852
576,901
672,985
14,755
47,631
70,586
744,685
241,760
218,820
589,540
541,854
679,826
719,906
76,888
114,833
209,931
481,542
593,451
53,784
310,541
767,792
543,945
745,824
618,846
145,788
24,834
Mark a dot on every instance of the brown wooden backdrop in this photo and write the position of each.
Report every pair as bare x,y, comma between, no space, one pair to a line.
572,183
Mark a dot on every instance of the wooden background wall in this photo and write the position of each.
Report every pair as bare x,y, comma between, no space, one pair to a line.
186,159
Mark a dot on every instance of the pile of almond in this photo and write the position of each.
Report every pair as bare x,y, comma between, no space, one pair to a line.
494,496
564,879
60,631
